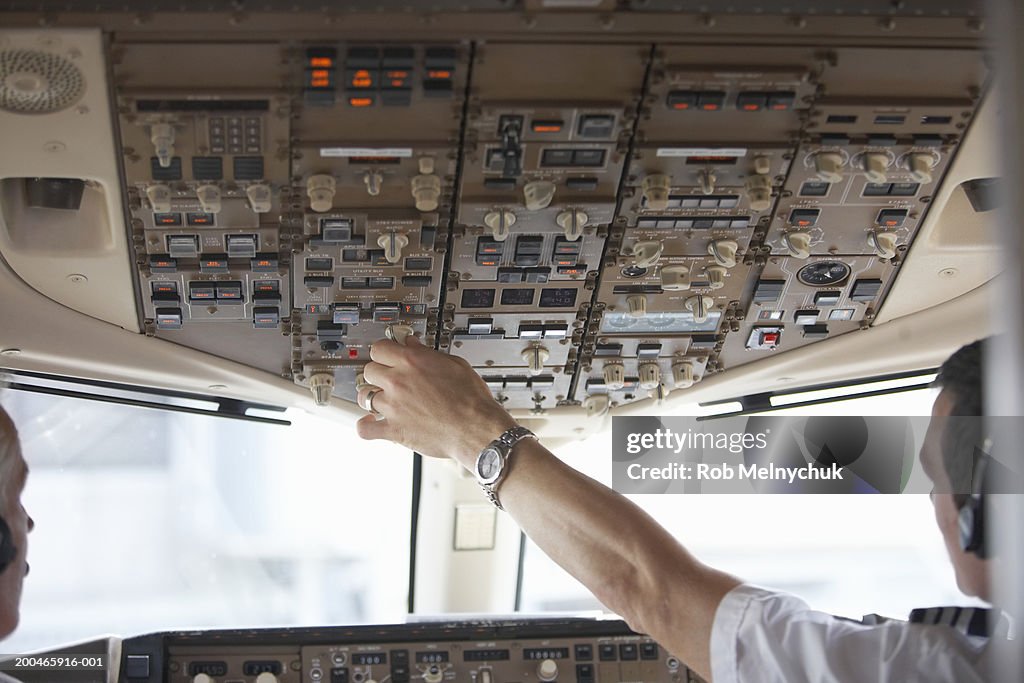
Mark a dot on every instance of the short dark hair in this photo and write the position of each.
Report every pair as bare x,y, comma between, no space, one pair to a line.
961,375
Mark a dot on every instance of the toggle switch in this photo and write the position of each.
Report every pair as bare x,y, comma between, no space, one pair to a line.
320,189
259,195
373,180
827,165
675,278
322,384
655,190
426,190
572,223
637,305
162,137
535,358
614,376
647,253
798,243
724,252
759,192
159,197
209,198
921,166
650,376
682,375
538,194
883,243
876,166
393,243
706,178
715,276
425,165
700,307
597,404
762,165
499,221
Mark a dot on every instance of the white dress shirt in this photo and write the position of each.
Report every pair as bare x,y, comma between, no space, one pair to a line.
766,637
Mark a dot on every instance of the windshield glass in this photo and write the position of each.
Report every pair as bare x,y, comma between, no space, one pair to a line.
149,520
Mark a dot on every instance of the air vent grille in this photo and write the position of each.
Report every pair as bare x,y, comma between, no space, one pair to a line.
33,82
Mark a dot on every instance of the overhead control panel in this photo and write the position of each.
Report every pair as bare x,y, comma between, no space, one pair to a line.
584,651
586,223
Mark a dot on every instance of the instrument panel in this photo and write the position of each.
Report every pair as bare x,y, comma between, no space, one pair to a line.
580,650
588,222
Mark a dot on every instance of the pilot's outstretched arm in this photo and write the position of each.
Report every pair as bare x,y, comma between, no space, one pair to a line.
437,405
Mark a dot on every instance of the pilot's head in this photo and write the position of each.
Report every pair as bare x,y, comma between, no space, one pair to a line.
948,455
13,472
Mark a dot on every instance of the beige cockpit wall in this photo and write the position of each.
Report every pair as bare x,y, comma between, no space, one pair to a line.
591,210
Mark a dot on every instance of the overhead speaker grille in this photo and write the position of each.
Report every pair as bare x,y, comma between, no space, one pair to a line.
33,82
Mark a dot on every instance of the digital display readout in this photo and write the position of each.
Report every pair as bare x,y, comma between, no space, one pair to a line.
477,298
485,655
545,653
369,658
517,297
431,657
558,298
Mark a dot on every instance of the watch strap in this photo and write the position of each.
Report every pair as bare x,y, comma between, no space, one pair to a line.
508,439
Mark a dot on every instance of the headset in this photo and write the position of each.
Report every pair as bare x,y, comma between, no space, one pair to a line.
8,551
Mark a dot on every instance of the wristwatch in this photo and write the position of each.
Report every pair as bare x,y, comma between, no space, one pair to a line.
492,463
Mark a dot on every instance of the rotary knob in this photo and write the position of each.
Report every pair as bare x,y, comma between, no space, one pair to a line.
675,278
499,221
759,192
883,243
827,165
572,223
700,307
538,194
655,190
647,253
159,197
393,243
320,189
266,677
706,178
876,166
259,197
433,674
724,252
650,376
798,243
209,198
547,670
921,166
637,305
398,333
716,276
614,376
426,190
682,374
202,678
321,384
536,357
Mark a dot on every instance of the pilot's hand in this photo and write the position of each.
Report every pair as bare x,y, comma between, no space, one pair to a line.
430,402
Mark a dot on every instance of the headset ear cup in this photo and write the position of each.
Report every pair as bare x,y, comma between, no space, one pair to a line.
8,551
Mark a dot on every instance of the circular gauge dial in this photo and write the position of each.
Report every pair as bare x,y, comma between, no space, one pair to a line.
824,273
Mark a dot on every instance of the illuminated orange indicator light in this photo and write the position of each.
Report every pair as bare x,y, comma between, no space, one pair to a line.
439,74
547,126
803,223
264,264
751,107
360,101
362,79
321,62
397,74
709,106
681,105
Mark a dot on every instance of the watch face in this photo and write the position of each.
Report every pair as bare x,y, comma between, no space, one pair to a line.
488,465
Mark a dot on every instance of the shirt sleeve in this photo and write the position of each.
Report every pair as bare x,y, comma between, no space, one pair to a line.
769,637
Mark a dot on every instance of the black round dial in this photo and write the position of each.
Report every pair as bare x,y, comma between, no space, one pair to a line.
824,273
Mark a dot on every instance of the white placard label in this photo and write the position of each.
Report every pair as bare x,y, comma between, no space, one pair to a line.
702,151
405,152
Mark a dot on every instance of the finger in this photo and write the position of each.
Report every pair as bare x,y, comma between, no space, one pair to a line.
363,398
369,427
377,374
386,352
413,340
